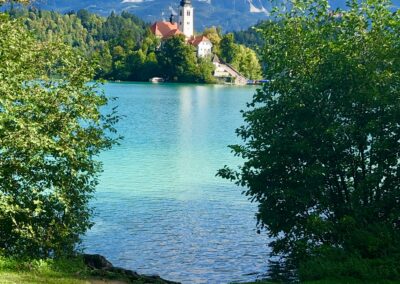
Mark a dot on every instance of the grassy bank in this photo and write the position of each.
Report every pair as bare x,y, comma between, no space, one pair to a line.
40,271
74,271
71,271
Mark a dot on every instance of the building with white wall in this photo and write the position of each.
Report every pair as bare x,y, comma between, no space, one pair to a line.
165,30
203,45
186,17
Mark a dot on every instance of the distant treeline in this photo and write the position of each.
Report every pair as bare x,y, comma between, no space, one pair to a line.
250,37
124,48
108,41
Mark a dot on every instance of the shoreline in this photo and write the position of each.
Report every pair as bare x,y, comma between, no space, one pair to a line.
103,82
79,269
100,266
176,83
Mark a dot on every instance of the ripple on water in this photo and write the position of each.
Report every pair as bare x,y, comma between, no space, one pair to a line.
159,207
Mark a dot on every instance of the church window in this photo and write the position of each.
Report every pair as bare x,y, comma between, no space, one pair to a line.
188,13
180,12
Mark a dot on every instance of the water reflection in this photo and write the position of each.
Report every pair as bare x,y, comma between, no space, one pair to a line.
160,208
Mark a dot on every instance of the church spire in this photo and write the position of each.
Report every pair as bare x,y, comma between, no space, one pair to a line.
186,2
186,18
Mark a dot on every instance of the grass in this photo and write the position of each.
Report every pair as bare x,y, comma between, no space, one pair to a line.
38,278
72,271
66,271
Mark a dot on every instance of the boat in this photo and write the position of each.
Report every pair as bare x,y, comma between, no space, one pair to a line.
157,80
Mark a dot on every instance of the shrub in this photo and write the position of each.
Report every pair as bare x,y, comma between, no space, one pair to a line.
51,129
322,139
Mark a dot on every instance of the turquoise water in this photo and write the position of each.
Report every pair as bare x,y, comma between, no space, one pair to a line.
159,207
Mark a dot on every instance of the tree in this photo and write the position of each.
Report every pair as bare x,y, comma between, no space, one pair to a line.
322,139
247,63
177,60
136,62
213,34
99,38
51,130
244,59
104,61
228,48
143,63
250,37
205,71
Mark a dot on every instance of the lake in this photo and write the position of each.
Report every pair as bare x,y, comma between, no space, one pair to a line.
160,209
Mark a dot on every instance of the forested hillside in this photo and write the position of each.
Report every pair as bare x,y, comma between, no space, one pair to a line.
251,37
124,48
105,40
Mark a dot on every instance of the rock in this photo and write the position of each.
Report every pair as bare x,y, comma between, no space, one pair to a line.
132,275
157,279
96,261
101,266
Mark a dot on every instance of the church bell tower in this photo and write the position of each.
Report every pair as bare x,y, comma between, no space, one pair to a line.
185,23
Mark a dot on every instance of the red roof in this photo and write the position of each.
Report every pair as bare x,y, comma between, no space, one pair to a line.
165,29
173,33
197,40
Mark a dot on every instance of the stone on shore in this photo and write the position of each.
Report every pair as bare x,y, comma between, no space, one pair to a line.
102,267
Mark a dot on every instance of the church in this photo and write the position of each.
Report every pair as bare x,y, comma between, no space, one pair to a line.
184,26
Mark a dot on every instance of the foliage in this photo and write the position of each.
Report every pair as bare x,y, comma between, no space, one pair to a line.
228,48
205,71
214,35
51,130
177,59
143,63
336,264
61,265
321,140
107,41
178,62
63,271
122,46
250,37
246,61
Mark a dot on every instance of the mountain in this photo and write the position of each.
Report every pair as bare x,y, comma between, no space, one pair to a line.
229,14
